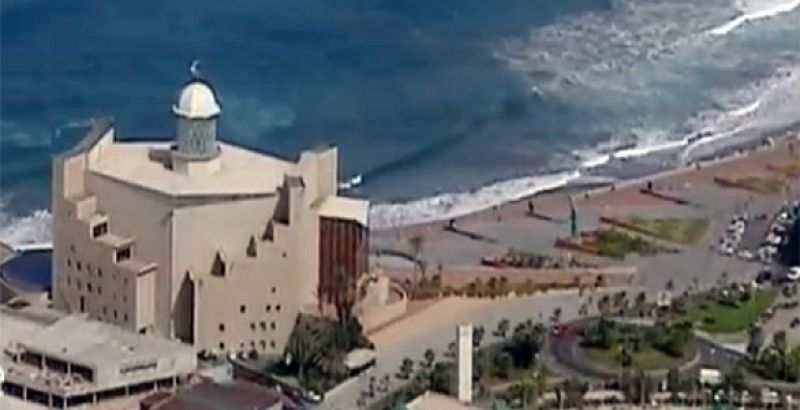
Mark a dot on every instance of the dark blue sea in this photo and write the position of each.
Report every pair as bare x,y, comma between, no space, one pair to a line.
441,107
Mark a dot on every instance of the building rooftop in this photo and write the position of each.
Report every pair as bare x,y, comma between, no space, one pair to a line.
91,343
345,208
241,172
237,395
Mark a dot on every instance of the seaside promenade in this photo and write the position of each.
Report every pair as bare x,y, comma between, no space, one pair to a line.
511,226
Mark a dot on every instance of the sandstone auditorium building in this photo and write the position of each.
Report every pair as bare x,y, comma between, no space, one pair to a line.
204,241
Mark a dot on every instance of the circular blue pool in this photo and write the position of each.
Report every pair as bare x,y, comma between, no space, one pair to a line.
29,270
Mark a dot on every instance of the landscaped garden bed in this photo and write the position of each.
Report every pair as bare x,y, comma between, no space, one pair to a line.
729,310
684,231
615,346
528,260
612,243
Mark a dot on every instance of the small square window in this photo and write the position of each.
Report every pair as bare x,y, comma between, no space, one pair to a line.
69,262
222,327
253,344
99,272
105,310
89,286
272,325
274,289
272,344
269,307
125,318
277,308
252,326
78,265
115,314
263,325
99,290
262,344
242,309
89,267
221,346
78,284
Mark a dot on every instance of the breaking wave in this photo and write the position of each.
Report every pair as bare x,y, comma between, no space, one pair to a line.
24,230
761,11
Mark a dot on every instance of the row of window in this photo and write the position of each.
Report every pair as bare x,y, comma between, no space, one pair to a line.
91,289
243,308
105,311
262,324
262,344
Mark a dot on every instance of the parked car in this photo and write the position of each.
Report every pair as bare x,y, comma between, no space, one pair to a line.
794,274
560,330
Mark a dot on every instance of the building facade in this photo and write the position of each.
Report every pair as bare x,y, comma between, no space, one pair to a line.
200,240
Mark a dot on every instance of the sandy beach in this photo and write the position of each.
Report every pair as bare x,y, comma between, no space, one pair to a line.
624,193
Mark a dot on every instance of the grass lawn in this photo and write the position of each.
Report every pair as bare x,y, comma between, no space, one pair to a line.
762,185
727,319
687,231
617,244
645,359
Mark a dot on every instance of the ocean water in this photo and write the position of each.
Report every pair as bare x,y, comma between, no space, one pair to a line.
441,108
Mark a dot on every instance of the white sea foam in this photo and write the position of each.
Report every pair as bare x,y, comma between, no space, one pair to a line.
454,205
753,10
25,230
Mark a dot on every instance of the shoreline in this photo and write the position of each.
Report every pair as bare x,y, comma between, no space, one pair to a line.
743,152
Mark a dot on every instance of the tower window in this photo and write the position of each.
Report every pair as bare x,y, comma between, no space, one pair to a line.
274,289
78,265
277,308
100,229
272,325
252,326
269,307
123,254
263,325
221,346
222,327
242,309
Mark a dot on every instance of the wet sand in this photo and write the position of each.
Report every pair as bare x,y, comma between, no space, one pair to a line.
623,194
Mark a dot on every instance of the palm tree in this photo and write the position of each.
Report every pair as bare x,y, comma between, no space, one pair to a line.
430,357
533,386
556,315
502,328
303,350
417,244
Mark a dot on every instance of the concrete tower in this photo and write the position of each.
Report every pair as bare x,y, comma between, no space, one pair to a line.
464,336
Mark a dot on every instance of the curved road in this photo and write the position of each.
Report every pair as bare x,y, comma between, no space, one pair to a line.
563,355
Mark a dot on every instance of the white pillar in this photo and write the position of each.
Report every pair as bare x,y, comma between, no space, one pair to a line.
464,337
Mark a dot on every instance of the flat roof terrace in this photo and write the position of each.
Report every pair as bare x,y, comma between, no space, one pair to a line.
70,355
145,164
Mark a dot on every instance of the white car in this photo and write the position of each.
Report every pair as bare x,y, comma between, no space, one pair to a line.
794,274
746,255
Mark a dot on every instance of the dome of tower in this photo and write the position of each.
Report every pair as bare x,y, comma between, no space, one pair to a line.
196,101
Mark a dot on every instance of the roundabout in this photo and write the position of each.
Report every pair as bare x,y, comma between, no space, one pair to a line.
605,349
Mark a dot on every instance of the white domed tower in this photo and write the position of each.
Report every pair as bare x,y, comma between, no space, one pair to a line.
197,111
